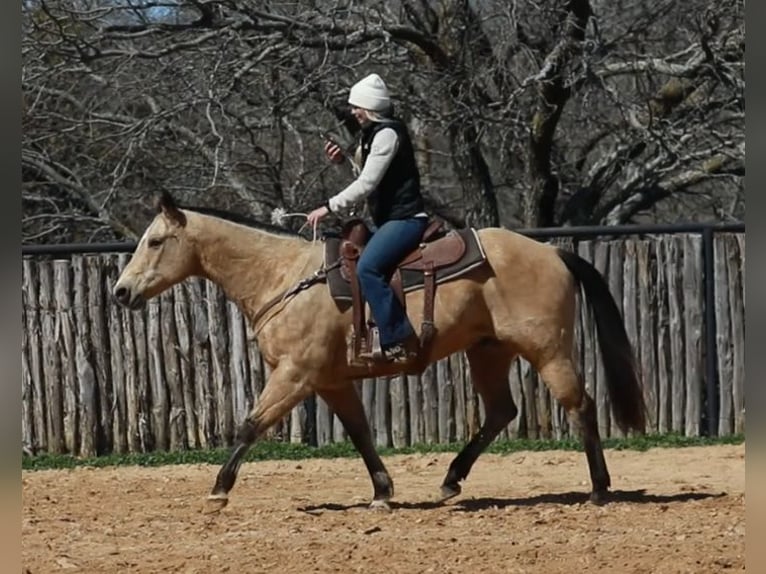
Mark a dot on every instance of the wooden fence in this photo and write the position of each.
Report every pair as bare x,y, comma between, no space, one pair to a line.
182,374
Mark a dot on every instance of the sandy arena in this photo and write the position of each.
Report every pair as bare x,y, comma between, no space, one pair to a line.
674,511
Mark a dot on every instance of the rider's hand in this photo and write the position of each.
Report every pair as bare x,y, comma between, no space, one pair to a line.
314,217
333,152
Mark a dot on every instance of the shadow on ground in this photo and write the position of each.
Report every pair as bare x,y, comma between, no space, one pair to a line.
559,498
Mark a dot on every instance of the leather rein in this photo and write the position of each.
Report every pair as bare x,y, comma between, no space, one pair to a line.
318,276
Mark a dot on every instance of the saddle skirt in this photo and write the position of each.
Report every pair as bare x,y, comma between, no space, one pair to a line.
454,254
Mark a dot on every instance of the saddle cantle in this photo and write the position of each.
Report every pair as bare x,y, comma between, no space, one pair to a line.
440,257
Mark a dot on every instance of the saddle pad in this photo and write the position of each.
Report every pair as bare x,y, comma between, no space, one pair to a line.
412,280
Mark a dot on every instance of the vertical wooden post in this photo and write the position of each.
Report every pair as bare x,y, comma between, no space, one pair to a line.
203,366
723,340
399,414
238,362
382,412
647,303
85,373
160,407
97,315
172,369
65,346
415,400
663,341
459,383
27,394
737,307
33,332
445,399
430,405
693,305
711,354
118,362
186,363
219,347
677,375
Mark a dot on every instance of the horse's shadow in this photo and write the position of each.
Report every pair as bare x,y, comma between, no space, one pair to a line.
560,498
574,498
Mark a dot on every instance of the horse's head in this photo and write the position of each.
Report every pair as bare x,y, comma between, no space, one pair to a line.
163,257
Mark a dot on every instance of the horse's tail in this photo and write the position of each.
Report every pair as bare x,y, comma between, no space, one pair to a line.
622,379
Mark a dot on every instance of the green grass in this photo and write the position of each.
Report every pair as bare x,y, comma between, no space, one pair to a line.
286,451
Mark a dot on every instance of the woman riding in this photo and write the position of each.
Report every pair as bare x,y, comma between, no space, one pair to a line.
390,182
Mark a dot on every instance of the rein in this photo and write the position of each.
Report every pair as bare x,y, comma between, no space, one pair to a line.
318,276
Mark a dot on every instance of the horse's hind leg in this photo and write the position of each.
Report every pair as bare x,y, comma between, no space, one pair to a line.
284,390
565,386
345,403
490,362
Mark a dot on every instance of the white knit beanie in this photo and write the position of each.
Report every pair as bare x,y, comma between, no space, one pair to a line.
370,93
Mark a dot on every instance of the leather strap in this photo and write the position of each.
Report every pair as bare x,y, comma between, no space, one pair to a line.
396,285
428,330
318,276
360,332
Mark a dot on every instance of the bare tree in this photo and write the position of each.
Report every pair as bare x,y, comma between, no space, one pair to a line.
524,112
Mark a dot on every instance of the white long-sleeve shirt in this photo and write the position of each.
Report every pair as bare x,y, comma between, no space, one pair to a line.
382,151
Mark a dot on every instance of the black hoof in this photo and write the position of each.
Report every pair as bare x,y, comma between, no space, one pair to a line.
383,486
599,497
449,491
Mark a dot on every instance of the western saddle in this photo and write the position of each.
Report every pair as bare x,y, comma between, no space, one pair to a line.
438,249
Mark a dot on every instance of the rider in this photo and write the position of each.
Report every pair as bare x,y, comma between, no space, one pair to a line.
390,182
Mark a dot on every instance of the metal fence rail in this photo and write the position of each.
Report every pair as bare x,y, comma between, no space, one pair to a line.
583,232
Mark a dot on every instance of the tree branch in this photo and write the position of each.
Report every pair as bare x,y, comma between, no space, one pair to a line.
66,180
645,197
552,95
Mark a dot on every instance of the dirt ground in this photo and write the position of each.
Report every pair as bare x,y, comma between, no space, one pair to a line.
674,510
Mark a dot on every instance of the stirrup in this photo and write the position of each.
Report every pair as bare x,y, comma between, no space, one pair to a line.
401,353
376,356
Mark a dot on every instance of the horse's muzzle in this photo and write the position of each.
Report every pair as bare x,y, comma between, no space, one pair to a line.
126,298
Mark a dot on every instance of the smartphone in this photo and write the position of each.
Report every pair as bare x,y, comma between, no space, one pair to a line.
327,137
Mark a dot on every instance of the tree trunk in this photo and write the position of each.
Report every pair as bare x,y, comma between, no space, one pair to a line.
553,92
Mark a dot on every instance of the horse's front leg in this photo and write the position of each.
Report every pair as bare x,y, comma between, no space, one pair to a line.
285,388
345,403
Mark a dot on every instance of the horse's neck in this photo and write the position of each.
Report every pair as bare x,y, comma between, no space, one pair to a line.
251,266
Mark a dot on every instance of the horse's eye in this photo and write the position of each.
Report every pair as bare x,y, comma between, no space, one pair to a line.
155,242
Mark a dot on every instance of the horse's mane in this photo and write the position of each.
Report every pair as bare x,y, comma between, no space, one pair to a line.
241,219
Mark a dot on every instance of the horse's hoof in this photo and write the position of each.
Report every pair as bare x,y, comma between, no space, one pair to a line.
380,506
215,503
449,491
599,497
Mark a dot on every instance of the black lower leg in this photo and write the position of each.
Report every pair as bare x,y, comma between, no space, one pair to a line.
359,433
349,409
227,475
462,463
383,486
490,362
594,452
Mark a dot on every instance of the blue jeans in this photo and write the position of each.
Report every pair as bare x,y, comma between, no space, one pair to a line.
388,246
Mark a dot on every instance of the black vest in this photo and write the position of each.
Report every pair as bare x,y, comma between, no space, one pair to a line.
398,193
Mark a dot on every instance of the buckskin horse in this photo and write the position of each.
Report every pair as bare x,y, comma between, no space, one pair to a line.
519,302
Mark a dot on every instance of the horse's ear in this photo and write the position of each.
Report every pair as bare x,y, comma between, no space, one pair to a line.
165,203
